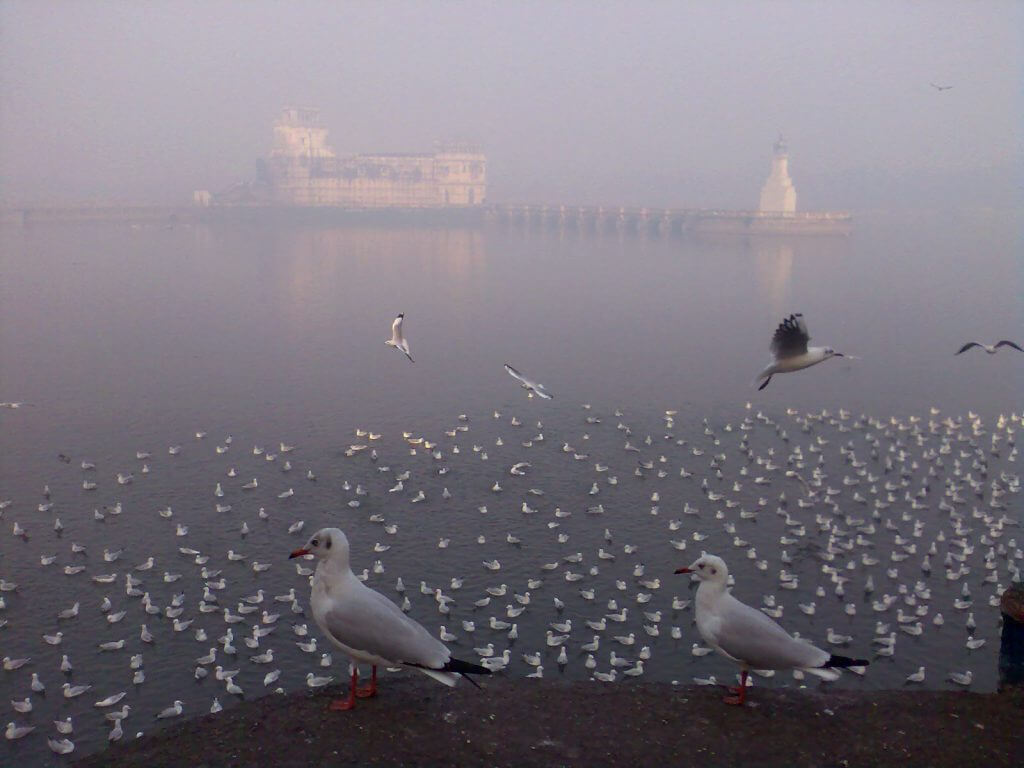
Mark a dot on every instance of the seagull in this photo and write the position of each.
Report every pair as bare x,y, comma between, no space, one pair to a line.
991,349
61,746
397,340
532,387
749,637
171,711
24,706
18,731
110,700
789,346
962,678
940,88
366,625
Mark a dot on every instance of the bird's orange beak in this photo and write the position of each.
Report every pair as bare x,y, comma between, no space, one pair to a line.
684,570
298,553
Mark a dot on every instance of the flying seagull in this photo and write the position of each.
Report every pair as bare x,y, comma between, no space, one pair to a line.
367,626
789,347
940,88
990,349
749,637
397,340
532,387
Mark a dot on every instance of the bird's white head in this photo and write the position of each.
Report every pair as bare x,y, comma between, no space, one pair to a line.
326,544
829,352
708,568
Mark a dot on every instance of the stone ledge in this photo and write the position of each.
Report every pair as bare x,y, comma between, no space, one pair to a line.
415,722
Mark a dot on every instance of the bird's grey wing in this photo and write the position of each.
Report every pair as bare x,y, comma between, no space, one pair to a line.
1005,343
516,375
750,636
967,346
368,621
790,337
539,389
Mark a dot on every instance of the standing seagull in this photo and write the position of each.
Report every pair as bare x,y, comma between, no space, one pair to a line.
747,636
367,626
397,340
789,346
990,349
529,385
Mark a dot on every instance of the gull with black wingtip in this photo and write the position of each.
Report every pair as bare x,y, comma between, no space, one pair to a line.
790,351
749,637
991,349
532,388
397,339
367,626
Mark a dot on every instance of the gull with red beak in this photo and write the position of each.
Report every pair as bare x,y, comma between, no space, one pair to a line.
367,626
790,351
749,637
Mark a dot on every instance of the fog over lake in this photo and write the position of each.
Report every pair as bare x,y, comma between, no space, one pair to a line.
193,386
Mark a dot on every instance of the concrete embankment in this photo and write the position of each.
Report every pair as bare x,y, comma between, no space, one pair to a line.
415,722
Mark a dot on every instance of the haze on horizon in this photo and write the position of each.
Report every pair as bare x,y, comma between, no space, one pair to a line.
632,103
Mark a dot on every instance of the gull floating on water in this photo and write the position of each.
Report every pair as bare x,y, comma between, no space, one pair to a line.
18,731
366,625
397,339
790,350
749,637
172,711
61,746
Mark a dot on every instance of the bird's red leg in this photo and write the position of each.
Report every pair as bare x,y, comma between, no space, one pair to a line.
741,692
371,689
350,702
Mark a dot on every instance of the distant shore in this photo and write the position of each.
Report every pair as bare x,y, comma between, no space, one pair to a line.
416,722
592,219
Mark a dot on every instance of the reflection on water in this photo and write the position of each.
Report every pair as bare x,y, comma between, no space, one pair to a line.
774,259
132,340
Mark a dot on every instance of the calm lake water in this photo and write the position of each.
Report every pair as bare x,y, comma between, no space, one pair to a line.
128,340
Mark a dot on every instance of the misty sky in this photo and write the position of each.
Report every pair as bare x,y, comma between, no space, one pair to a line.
662,103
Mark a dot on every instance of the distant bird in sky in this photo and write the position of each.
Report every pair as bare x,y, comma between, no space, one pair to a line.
397,339
940,88
991,349
367,626
528,384
789,347
749,637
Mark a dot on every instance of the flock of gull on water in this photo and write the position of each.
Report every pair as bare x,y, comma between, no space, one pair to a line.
913,528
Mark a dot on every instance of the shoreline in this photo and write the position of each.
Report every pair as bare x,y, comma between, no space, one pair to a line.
510,722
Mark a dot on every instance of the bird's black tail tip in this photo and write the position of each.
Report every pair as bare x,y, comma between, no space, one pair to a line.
465,667
845,661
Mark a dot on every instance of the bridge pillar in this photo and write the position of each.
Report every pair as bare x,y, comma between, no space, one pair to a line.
622,221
